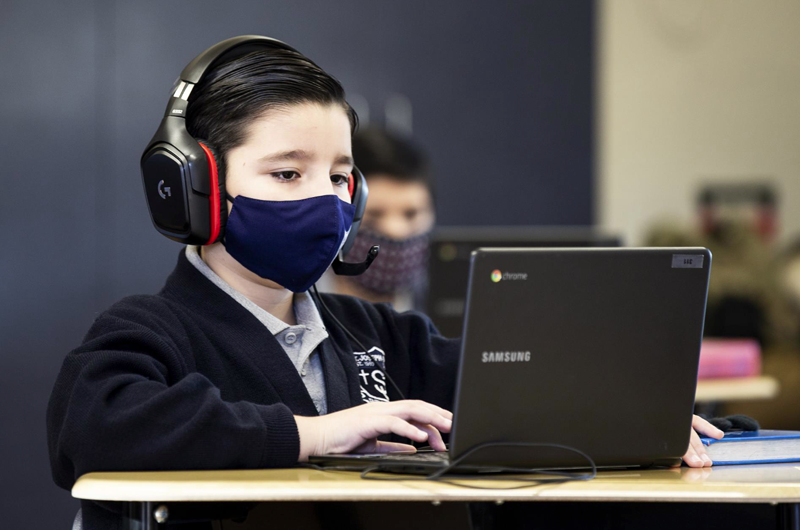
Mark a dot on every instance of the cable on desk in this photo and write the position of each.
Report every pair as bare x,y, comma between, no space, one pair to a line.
442,475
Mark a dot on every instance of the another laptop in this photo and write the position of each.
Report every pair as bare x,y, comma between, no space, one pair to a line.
452,246
596,349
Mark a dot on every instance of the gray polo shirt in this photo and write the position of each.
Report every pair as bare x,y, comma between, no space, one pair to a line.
299,342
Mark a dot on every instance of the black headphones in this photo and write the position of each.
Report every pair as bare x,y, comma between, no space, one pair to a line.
185,195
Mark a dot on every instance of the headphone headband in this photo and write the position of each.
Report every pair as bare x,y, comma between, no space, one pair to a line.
227,50
224,51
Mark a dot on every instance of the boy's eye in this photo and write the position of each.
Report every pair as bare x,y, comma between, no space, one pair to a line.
340,180
286,176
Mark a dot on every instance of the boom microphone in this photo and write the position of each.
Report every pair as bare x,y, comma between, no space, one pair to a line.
354,269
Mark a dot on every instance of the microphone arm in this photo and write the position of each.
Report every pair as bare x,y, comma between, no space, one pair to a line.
354,269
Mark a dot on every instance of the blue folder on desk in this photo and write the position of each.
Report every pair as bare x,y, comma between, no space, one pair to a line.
754,447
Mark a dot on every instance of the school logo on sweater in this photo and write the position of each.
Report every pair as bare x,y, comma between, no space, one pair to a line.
370,374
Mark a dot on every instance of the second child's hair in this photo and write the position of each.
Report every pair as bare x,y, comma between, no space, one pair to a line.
235,93
377,151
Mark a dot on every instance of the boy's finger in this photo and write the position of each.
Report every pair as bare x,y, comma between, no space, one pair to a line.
703,427
393,447
434,436
692,459
700,449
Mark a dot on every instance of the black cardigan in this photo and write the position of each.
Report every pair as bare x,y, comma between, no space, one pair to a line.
189,379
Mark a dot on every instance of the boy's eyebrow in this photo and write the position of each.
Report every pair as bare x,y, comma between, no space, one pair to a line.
295,154
301,155
345,160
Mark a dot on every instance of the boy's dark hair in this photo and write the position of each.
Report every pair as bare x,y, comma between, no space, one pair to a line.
235,93
377,151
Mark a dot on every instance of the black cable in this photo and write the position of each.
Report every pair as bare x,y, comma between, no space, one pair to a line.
358,342
497,474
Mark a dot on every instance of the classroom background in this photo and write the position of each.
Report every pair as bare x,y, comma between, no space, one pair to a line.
663,122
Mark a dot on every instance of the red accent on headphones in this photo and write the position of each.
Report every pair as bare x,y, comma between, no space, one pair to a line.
213,199
351,185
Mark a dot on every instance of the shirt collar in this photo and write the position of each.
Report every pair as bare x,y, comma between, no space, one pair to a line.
305,310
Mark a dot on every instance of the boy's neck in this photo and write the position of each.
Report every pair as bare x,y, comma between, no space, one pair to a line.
268,295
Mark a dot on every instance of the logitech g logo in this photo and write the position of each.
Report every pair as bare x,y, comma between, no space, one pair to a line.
498,275
164,191
506,357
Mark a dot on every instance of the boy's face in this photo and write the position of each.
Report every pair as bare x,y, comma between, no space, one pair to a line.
397,209
293,153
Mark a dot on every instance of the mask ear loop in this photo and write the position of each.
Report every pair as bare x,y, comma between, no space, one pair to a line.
228,199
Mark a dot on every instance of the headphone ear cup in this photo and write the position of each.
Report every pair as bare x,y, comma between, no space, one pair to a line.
218,201
359,191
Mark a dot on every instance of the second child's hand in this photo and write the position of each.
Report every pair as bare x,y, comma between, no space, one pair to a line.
355,430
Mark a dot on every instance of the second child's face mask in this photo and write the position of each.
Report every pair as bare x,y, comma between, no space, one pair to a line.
401,266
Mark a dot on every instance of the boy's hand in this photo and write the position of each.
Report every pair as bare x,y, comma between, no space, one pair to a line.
696,456
355,430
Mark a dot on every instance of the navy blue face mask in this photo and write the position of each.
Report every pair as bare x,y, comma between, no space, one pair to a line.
291,243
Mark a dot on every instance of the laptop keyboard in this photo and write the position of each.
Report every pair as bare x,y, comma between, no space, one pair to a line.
422,456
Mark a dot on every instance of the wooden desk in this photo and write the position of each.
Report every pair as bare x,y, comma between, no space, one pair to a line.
773,484
737,389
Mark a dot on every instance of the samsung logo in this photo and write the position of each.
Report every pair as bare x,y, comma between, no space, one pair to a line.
506,356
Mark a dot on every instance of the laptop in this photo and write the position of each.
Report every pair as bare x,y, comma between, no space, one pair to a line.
595,349
452,246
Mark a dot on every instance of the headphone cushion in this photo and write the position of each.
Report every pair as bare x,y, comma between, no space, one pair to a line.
358,189
218,204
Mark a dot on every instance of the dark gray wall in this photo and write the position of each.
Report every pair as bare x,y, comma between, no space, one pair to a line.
502,97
